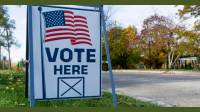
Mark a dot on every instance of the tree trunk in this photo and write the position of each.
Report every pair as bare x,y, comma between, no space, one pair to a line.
169,61
9,58
8,49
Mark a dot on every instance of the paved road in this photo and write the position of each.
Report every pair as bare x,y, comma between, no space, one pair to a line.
168,89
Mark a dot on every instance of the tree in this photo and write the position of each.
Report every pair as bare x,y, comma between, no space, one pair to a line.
2,44
193,10
167,41
3,15
9,26
121,46
196,39
114,35
108,12
155,35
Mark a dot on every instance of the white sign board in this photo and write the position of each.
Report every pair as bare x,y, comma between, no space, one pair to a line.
66,52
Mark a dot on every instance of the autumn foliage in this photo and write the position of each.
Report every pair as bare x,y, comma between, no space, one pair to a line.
159,44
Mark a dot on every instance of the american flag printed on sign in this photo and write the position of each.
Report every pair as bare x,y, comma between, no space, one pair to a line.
64,24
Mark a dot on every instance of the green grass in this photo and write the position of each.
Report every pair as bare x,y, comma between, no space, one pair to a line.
12,95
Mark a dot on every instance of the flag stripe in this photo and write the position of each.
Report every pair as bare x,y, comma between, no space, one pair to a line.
80,25
67,33
73,39
63,29
76,16
71,21
81,29
68,12
82,42
58,36
80,21
77,25
55,34
71,26
84,34
59,29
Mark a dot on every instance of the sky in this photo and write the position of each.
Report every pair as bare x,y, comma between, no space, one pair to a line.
125,15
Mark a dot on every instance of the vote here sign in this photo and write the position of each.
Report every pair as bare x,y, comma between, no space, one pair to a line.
66,52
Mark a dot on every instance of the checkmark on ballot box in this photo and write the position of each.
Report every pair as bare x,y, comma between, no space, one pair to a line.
70,87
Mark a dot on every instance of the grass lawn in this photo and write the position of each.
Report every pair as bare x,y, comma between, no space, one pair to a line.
12,95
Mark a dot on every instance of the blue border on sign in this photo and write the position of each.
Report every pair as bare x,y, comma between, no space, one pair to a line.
42,55
71,8
85,97
100,56
100,81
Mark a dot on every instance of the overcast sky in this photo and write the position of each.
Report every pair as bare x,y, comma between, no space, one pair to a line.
125,15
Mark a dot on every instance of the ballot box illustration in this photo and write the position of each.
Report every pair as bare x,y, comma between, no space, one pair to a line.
70,87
